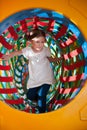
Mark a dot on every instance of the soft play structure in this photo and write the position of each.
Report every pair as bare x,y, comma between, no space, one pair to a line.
65,25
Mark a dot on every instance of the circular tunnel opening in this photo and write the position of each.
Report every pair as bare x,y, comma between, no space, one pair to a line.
63,37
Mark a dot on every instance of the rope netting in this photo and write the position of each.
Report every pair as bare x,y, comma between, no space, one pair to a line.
69,73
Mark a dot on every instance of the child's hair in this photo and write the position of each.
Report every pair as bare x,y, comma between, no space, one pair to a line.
34,33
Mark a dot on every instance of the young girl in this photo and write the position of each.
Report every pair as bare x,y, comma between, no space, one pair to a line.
40,72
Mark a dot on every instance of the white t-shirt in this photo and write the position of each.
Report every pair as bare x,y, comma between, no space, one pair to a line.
40,71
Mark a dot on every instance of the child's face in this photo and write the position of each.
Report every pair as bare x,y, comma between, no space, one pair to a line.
38,43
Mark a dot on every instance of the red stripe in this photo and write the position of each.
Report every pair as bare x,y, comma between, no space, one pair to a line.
68,42
62,101
42,23
72,78
73,53
51,25
62,90
16,101
29,109
26,110
5,67
8,90
23,25
6,79
73,90
30,23
61,32
35,20
13,33
67,90
8,35
5,43
74,65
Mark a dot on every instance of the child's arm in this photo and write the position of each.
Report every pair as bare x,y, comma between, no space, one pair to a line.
12,54
55,59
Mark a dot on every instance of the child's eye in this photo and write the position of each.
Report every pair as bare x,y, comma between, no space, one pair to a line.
37,42
43,42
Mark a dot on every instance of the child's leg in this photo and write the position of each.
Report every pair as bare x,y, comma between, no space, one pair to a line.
32,93
42,92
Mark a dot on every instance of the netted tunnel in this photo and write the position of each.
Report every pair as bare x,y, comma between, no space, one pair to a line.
63,37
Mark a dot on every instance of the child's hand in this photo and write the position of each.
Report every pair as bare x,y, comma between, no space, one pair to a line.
6,57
